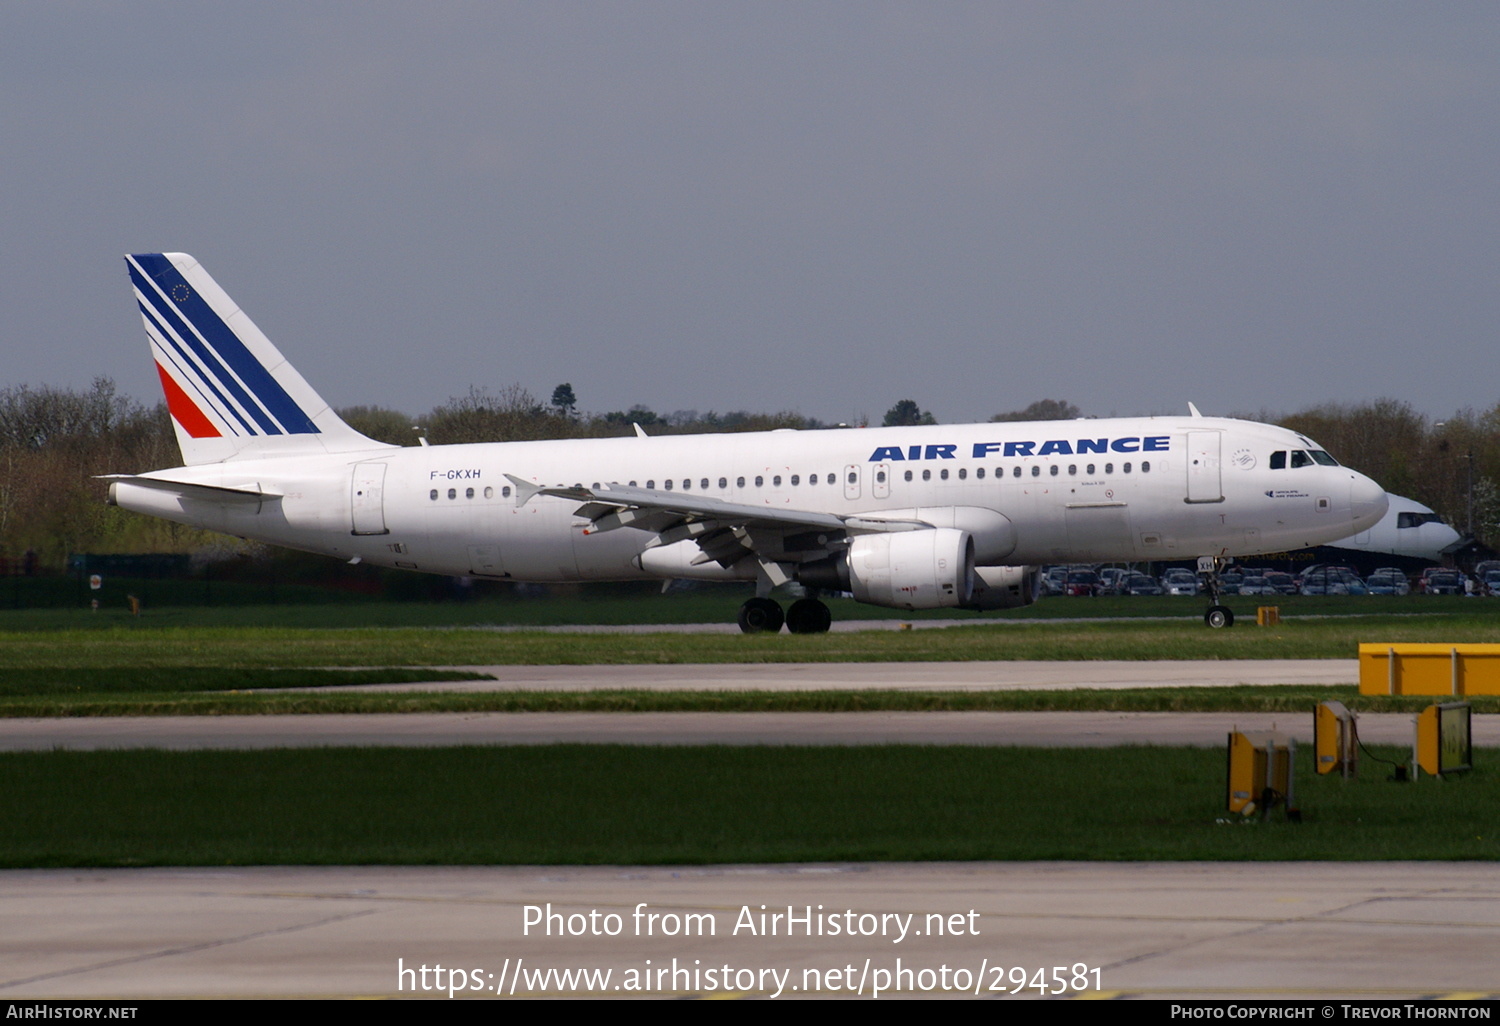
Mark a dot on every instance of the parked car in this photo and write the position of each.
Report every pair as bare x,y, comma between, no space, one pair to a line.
1388,582
1141,584
1442,582
1179,582
1082,582
1256,584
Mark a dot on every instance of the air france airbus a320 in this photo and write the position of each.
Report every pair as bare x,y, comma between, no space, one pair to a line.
910,517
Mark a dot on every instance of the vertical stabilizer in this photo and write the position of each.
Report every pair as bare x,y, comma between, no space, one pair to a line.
231,393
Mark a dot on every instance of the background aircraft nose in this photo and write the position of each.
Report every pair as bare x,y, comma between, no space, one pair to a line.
1367,502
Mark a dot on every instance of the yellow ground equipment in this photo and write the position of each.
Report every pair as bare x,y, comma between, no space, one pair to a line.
1335,739
1444,743
1260,774
1412,668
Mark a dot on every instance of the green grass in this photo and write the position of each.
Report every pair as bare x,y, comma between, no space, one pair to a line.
54,603
150,644
249,699
609,804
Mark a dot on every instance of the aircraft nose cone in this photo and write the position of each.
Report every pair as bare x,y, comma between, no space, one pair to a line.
1367,502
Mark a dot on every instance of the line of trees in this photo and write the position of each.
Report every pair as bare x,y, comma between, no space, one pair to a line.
54,443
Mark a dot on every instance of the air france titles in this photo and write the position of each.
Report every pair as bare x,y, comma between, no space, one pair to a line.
1050,447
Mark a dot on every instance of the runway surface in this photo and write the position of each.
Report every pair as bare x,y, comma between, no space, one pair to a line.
1316,932
965,676
1073,730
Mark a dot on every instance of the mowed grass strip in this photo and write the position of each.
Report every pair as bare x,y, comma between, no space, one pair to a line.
148,646
69,682
608,804
193,701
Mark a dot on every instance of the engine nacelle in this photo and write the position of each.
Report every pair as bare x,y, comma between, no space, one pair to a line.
1004,587
930,569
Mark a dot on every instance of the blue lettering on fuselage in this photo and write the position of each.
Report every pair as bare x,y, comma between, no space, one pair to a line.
1011,450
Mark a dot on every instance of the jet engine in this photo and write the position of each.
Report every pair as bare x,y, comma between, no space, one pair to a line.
1004,587
927,569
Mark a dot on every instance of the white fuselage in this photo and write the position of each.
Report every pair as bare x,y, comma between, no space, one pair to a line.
1159,488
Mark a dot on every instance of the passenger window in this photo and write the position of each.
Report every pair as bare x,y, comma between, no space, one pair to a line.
468,493
1072,470
723,482
1089,470
796,479
703,485
667,484
505,492
943,473
1126,468
962,473
1109,468
452,493
687,485
759,481
1052,470
489,493
1145,466
776,481
1016,472
739,482
908,475
433,496
880,476
979,473
812,479
852,478
926,475
1036,471
651,483
1278,460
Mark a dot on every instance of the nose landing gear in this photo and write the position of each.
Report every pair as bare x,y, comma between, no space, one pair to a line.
1209,568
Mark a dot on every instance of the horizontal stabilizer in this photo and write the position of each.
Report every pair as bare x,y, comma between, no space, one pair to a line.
247,493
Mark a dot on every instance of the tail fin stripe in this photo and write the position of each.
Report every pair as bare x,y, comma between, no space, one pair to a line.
208,365
182,407
188,369
228,346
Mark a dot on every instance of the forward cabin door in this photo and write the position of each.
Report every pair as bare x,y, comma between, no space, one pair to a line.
367,498
1204,478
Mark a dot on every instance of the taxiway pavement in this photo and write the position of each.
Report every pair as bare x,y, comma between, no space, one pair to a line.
1312,932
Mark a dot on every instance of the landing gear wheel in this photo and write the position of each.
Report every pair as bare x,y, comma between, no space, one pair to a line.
760,615
1219,616
808,616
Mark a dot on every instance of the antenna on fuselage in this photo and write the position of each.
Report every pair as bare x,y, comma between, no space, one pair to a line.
1193,411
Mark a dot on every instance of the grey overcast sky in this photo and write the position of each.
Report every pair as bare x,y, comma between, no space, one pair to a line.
820,206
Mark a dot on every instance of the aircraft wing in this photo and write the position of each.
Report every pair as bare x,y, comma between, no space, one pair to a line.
725,531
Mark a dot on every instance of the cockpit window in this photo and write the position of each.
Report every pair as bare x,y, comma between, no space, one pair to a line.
1324,459
1278,460
1300,459
1416,519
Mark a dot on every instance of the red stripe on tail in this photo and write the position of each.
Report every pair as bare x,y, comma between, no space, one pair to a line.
184,410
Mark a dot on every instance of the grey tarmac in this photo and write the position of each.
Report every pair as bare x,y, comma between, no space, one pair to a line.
1316,932
999,675
1048,729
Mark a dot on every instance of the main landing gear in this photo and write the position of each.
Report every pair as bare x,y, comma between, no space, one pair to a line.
1218,615
805,616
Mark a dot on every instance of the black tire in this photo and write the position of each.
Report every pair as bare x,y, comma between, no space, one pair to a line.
808,616
1219,616
761,615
